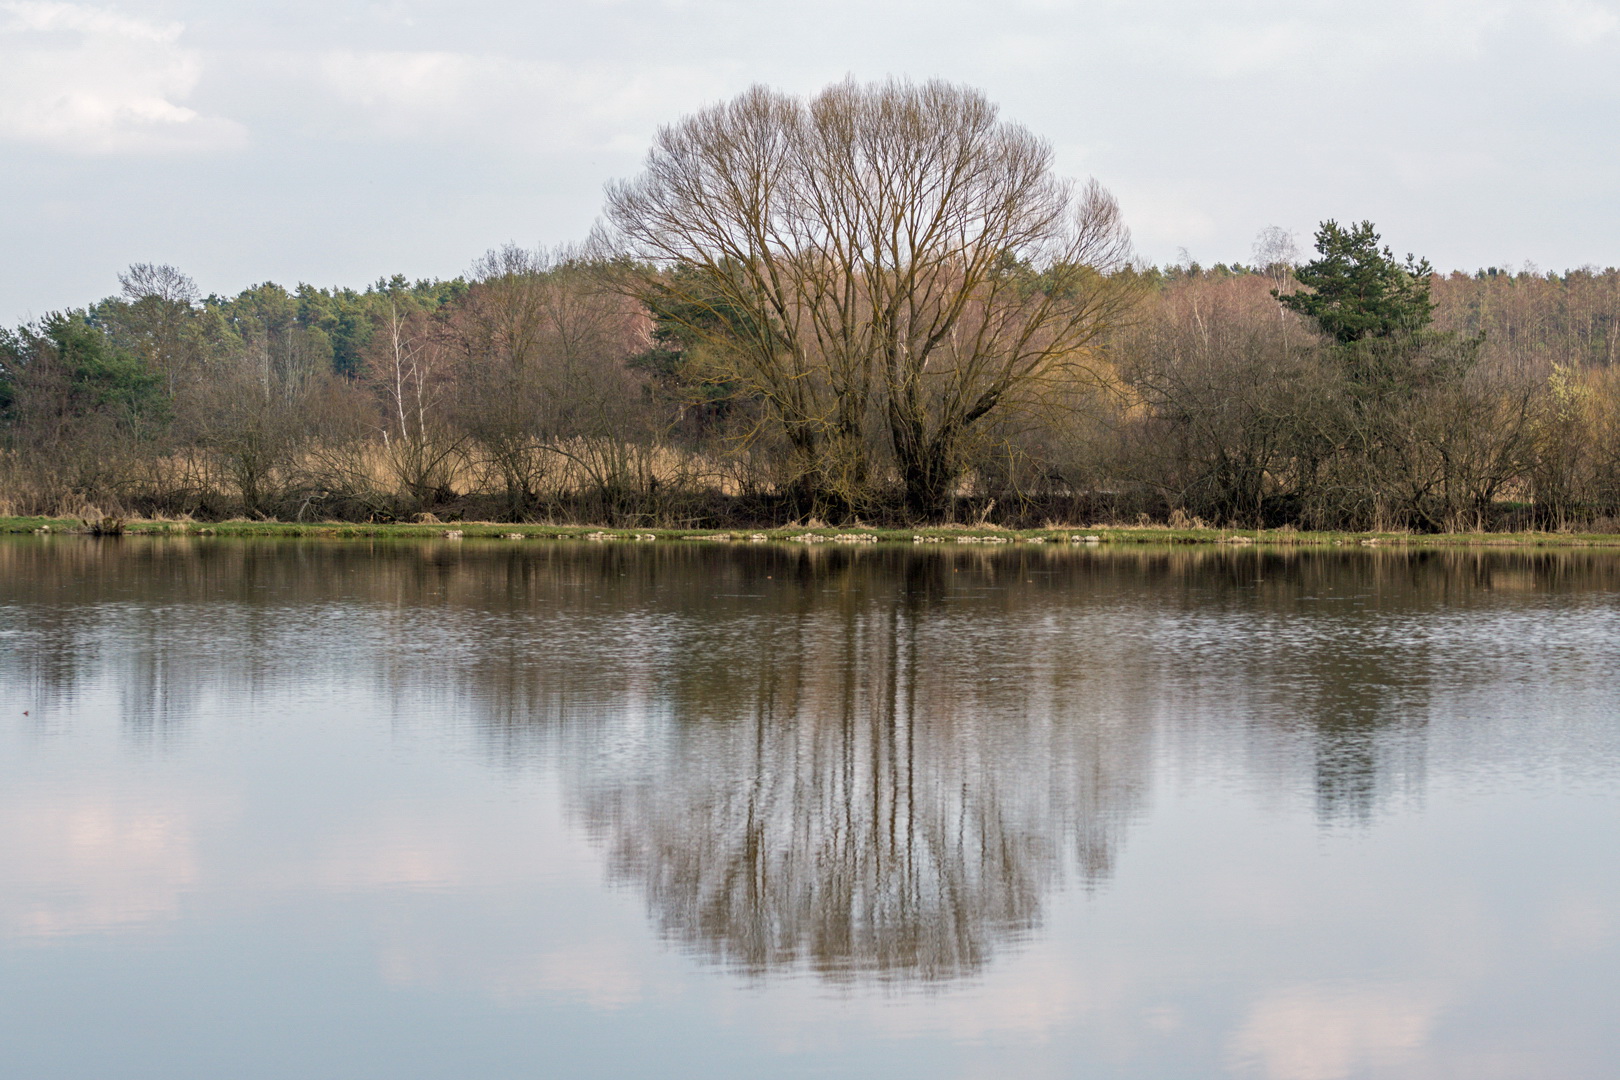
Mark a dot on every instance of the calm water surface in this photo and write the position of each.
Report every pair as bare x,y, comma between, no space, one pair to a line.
480,810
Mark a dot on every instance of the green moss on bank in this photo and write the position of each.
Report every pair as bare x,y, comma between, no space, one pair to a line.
495,531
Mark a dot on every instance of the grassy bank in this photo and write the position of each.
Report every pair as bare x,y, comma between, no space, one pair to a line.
956,534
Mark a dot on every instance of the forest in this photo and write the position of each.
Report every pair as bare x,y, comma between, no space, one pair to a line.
863,342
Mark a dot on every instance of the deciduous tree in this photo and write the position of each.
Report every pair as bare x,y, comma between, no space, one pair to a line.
882,266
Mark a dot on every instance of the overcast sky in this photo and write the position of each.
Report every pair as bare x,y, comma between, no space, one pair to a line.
336,141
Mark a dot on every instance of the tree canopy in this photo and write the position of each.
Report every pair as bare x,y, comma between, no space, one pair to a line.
1359,291
881,266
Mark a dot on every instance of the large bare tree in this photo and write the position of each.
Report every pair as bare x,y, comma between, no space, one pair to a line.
882,266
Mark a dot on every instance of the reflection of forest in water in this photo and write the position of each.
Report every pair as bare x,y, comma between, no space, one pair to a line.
867,762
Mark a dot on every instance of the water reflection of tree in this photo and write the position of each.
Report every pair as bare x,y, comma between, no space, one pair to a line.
847,791
864,762
1359,732
1373,679
1363,687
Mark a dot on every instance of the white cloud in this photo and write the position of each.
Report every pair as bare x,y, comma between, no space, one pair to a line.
1580,22
1447,122
572,106
40,16
1314,1033
93,866
1272,38
90,80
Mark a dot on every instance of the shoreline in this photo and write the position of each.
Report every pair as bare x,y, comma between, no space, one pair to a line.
855,534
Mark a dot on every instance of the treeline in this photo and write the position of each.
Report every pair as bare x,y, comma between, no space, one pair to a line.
506,395
537,388
1497,406
878,302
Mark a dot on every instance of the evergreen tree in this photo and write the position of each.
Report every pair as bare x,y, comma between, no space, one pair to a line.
1359,291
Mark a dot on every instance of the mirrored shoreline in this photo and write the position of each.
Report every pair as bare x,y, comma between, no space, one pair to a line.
548,777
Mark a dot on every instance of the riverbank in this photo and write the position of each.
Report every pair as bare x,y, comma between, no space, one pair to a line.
957,534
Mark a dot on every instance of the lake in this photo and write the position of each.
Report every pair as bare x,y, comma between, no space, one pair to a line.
491,809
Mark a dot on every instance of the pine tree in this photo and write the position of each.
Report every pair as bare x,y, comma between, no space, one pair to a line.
1359,291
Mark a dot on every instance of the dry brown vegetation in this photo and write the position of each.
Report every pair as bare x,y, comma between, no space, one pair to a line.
530,398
